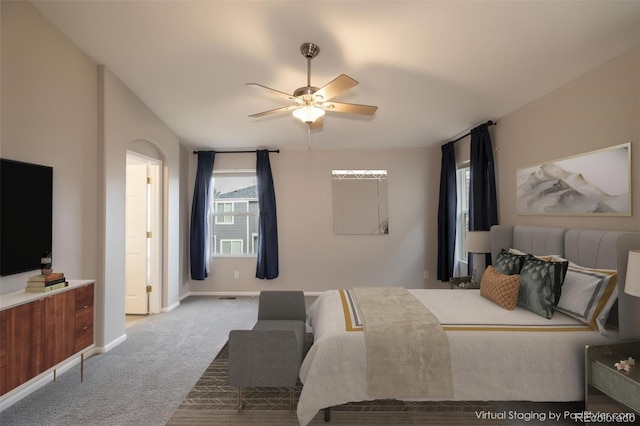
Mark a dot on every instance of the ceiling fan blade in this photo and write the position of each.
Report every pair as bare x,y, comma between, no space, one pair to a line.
350,108
271,111
336,86
273,91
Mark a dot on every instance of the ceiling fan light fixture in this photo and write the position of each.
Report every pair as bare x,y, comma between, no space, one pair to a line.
308,114
310,103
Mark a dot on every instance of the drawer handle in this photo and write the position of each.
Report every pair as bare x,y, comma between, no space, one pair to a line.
85,306
85,328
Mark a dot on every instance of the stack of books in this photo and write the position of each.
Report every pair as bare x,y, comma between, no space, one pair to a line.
46,283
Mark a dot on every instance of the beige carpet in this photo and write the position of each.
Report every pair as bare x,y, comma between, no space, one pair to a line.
213,401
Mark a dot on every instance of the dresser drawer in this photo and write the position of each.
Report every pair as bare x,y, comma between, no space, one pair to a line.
3,352
84,338
3,339
84,297
84,318
84,328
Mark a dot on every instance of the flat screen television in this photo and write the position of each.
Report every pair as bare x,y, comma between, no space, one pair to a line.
26,204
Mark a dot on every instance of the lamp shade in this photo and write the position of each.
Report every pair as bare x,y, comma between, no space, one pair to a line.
632,282
477,242
308,114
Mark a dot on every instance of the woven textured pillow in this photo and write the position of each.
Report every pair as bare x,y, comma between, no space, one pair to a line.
500,288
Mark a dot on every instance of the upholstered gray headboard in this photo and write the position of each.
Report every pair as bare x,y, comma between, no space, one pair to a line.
529,239
587,247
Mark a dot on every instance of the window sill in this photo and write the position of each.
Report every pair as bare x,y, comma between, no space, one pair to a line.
239,256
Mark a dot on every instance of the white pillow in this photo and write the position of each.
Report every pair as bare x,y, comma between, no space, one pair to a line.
588,295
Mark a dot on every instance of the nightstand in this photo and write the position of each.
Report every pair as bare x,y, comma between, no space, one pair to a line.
462,283
608,390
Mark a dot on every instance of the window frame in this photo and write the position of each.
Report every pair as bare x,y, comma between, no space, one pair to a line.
215,240
463,176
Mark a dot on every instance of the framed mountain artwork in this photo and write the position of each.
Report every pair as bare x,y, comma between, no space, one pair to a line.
596,183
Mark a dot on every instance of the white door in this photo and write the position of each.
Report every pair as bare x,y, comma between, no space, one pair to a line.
154,244
136,300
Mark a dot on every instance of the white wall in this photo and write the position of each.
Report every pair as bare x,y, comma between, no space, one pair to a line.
49,116
125,119
61,110
184,209
312,258
597,110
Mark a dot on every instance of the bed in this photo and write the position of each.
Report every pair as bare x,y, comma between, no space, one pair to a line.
494,353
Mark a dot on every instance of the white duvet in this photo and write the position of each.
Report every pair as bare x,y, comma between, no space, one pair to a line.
496,354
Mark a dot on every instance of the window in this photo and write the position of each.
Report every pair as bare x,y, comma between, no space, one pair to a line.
224,207
463,176
234,213
231,247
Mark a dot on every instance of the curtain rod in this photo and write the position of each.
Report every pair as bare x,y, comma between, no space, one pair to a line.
488,123
277,151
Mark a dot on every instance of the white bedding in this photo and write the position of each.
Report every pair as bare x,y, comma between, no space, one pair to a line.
496,354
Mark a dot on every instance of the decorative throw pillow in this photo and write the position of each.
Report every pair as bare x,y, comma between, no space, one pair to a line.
547,257
588,295
507,263
563,261
500,288
540,286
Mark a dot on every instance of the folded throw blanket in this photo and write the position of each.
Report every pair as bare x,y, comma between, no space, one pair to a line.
407,350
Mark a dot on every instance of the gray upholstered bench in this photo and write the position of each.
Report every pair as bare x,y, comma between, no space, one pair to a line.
271,353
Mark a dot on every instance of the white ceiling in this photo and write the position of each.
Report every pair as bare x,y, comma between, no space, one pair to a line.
434,68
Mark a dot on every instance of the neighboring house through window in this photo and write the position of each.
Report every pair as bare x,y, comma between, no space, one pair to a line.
234,213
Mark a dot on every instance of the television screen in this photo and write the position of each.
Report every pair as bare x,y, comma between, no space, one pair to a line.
26,196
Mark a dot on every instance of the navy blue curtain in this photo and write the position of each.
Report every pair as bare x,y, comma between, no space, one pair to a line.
267,266
198,232
447,213
483,203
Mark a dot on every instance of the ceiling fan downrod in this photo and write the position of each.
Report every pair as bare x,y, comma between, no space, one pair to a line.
309,51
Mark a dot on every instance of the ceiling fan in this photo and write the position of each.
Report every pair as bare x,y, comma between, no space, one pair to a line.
310,103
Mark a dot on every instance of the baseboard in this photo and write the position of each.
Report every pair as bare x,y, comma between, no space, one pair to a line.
241,293
225,293
113,344
170,308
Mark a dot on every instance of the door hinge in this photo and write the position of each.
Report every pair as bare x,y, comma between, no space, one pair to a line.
149,234
148,289
149,180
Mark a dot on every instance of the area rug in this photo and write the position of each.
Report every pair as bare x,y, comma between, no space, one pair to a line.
213,401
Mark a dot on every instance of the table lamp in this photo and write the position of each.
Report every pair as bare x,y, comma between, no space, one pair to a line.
478,244
632,282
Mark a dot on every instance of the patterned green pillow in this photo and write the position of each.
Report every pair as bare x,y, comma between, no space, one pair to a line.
540,285
507,263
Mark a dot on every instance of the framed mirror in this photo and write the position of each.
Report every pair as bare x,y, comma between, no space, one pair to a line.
360,202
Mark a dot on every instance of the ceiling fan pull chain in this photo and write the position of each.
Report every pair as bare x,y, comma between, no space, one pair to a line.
309,135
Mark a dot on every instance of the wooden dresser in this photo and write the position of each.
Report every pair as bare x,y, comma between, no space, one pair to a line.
39,331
